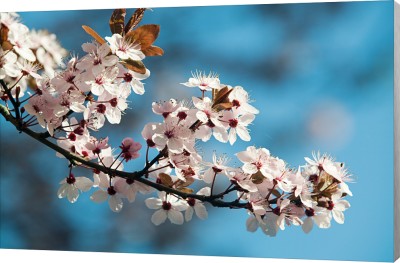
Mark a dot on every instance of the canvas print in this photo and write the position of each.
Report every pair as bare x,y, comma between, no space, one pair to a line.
250,131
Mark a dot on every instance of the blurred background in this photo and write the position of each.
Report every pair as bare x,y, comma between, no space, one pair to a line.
321,76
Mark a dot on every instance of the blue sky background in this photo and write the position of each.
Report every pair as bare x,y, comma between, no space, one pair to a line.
321,76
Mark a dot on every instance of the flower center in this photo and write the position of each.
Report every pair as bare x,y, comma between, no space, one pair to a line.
258,165
210,124
166,205
191,201
72,136
97,150
216,169
97,61
128,77
70,79
71,179
169,134
114,102
130,181
150,143
188,172
236,103
79,131
277,211
36,108
99,81
182,115
331,205
313,178
310,212
101,108
233,123
111,190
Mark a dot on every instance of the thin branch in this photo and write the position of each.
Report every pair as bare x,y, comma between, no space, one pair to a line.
214,200
14,103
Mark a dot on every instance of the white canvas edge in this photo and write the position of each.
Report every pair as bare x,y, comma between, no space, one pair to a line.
11,255
63,256
29,5
396,130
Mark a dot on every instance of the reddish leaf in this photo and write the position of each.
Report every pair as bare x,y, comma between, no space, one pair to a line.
186,190
134,20
117,21
257,178
165,179
221,100
181,184
144,35
134,65
94,34
3,34
153,51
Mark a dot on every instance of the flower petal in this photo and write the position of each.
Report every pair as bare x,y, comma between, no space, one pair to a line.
247,156
99,196
159,217
208,176
232,136
243,133
115,203
338,216
84,184
130,193
201,211
307,225
175,217
342,205
204,191
250,168
62,191
153,203
189,214
251,224
72,193
322,220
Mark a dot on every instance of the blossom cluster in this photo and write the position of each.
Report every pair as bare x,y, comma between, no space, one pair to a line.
24,51
72,101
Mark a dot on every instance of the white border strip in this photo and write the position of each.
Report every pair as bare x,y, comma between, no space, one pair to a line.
10,255
41,5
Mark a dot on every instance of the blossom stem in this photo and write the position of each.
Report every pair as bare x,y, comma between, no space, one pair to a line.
147,154
29,120
16,82
116,158
213,182
25,100
158,168
270,192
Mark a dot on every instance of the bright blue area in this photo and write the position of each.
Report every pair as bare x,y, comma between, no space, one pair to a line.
296,61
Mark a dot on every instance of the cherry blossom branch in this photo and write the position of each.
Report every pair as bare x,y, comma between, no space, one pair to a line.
137,175
98,86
